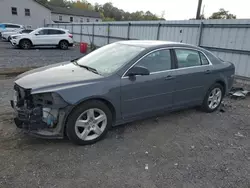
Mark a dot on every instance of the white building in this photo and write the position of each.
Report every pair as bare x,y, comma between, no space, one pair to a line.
35,14
24,12
74,15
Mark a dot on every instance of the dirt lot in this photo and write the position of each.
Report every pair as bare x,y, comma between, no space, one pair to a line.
185,149
11,57
182,149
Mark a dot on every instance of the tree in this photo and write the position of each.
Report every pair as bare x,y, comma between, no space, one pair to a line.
83,4
59,3
108,11
222,14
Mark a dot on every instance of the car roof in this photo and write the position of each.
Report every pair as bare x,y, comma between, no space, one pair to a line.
12,24
155,43
53,28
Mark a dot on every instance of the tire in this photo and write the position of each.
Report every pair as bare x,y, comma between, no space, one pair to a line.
81,127
8,39
25,44
213,98
64,45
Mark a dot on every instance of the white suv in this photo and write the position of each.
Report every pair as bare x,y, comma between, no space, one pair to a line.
44,37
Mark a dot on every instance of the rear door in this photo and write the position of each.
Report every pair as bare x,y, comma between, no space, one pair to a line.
145,94
193,74
55,36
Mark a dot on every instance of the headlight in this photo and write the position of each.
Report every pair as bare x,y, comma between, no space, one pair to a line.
14,37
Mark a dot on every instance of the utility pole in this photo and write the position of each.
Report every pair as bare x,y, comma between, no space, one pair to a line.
198,14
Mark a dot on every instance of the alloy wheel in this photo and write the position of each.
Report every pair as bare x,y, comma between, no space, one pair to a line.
214,98
90,124
64,45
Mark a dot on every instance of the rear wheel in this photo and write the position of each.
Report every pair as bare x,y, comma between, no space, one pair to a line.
64,45
213,98
88,123
25,44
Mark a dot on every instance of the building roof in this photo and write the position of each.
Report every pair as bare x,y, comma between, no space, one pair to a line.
39,2
74,12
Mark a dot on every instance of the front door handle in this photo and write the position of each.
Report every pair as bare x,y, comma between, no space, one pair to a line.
169,77
207,71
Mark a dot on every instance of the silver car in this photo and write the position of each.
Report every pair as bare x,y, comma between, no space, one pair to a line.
115,84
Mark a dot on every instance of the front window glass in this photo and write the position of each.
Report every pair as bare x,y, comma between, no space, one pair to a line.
156,61
43,32
110,58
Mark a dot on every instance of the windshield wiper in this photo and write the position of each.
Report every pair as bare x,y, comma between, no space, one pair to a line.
86,67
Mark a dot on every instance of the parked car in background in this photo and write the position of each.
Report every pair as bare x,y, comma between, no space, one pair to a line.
7,35
9,27
44,37
116,84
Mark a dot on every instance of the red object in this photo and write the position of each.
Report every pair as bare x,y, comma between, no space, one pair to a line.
83,47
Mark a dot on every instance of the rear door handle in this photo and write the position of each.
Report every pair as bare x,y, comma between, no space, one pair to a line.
169,77
207,71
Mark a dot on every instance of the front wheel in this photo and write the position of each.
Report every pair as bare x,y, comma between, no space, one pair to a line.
88,123
213,98
25,44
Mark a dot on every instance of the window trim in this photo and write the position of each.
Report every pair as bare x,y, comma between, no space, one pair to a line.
174,61
28,11
12,11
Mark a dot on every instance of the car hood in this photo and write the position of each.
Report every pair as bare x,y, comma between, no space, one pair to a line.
59,75
18,34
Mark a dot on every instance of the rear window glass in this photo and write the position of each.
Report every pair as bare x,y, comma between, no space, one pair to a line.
55,32
187,58
204,60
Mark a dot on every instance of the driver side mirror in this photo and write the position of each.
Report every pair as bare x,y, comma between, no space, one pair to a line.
138,70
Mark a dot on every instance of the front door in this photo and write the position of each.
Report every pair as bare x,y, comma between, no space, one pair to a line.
144,94
193,75
42,37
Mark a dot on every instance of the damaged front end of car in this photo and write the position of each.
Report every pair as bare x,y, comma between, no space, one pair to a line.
40,114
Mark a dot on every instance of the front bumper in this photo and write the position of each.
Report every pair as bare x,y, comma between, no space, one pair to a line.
30,121
14,42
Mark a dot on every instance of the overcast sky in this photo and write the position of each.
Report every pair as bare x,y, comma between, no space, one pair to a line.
181,9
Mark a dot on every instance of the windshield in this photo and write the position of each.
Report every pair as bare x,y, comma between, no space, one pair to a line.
110,58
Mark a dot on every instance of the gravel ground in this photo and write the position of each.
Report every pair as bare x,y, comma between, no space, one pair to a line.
185,149
11,57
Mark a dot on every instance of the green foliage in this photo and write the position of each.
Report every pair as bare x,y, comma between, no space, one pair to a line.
222,14
83,4
107,10
60,3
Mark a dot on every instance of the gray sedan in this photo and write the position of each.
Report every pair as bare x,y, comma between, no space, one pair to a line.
115,84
